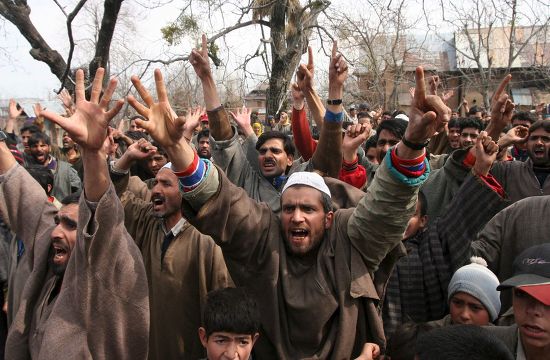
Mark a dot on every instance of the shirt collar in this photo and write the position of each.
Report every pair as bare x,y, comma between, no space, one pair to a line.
176,229
520,353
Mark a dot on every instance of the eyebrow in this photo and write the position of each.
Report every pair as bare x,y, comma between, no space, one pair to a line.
65,219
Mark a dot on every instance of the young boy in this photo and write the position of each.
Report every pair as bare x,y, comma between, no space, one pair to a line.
231,324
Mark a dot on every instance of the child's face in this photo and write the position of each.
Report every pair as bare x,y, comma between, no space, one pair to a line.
223,345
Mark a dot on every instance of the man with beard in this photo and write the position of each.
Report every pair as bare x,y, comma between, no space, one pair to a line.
66,180
469,131
182,264
70,153
262,167
312,269
86,293
203,140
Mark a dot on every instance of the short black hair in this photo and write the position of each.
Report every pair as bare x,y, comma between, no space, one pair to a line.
42,175
37,137
402,344
30,128
73,198
454,123
460,342
138,117
203,133
523,116
136,135
544,124
363,114
474,109
395,126
370,143
288,145
470,122
160,149
231,310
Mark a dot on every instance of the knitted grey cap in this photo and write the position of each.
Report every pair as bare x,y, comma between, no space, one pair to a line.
478,281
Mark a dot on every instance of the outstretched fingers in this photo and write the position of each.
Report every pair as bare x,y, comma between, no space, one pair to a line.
161,88
79,86
142,110
143,93
97,85
108,94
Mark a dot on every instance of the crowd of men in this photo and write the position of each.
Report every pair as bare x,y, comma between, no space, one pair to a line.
213,234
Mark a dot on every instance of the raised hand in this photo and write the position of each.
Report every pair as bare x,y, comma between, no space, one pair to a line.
305,72
140,150
355,135
434,85
338,69
163,124
428,114
88,125
516,135
242,118
13,111
447,95
67,101
199,60
192,121
502,109
486,152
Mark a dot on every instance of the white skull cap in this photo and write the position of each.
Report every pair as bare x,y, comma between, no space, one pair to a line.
168,165
309,179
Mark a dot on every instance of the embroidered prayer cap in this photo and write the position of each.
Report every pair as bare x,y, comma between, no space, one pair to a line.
532,273
309,179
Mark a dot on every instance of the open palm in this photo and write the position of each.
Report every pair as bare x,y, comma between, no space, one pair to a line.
163,124
88,125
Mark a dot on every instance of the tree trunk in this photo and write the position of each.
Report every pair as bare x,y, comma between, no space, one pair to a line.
101,57
17,12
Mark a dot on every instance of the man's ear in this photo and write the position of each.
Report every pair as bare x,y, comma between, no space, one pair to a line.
328,219
290,160
202,336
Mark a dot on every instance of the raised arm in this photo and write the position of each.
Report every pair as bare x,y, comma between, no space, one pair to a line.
13,113
374,228
88,127
328,155
219,126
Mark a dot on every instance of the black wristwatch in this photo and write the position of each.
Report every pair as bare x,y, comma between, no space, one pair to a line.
414,146
334,101
3,136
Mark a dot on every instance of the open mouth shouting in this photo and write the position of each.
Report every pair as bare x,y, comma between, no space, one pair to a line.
61,252
158,201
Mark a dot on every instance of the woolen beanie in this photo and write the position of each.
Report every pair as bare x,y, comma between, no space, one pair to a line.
478,281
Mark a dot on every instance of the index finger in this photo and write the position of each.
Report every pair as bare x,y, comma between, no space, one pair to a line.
143,93
420,87
334,48
204,45
502,86
161,89
310,56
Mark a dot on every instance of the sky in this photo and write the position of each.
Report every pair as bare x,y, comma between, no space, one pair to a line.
22,76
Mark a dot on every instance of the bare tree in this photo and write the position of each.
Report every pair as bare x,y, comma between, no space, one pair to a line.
283,27
378,43
492,35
